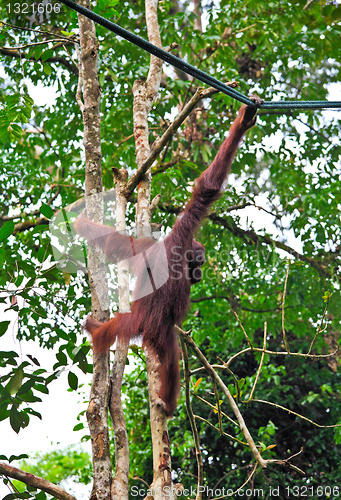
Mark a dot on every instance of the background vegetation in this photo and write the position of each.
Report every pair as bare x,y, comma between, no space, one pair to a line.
282,201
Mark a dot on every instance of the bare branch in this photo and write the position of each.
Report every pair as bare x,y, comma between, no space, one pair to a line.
212,372
251,237
242,327
297,414
245,482
207,422
191,418
29,224
211,405
236,303
159,144
319,329
218,407
227,393
260,365
33,44
283,302
20,216
72,39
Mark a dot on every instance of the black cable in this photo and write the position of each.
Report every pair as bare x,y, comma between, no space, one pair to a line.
191,70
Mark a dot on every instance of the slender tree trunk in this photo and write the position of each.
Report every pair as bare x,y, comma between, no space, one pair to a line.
120,482
145,94
97,412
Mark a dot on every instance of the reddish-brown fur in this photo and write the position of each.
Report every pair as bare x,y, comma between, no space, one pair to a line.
155,314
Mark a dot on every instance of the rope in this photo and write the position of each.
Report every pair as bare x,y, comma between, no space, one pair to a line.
191,70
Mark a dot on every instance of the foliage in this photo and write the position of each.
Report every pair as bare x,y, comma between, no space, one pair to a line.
68,465
58,465
285,188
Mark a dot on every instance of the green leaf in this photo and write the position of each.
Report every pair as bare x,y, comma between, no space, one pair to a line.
41,388
66,33
18,420
42,254
47,69
28,100
47,54
6,230
47,211
16,130
62,358
78,427
73,381
17,457
3,327
37,52
8,354
33,359
15,382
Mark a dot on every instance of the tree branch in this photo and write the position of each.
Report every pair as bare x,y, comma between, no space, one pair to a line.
250,236
212,372
55,59
71,39
191,418
28,224
35,482
159,144
242,425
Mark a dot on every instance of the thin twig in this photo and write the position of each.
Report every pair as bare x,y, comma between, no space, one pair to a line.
251,237
197,417
282,353
159,144
191,418
240,487
213,408
297,414
283,302
227,393
218,407
241,326
266,351
319,329
254,449
67,39
260,365
31,44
